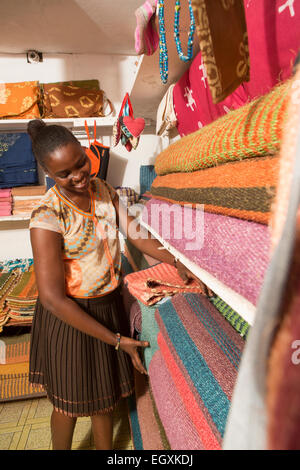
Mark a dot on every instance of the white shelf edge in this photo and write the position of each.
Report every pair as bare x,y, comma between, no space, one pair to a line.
237,302
73,123
12,218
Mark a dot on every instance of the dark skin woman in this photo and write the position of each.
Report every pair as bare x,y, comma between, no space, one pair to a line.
69,166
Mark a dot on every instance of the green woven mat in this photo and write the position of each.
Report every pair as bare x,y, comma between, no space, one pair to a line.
238,323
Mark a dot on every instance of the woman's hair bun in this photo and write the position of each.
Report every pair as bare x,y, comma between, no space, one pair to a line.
34,128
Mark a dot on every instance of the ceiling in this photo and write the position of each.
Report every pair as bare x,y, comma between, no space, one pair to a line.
68,26
92,27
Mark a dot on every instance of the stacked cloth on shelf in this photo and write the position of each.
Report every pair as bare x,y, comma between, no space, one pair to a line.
17,301
26,198
254,130
5,202
23,264
18,165
214,189
18,296
243,189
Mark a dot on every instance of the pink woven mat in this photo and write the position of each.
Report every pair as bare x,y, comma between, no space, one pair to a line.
235,251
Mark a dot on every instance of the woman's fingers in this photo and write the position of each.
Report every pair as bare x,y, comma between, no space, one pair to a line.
138,364
142,344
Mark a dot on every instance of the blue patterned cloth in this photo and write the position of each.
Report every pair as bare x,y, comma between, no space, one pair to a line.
18,166
147,176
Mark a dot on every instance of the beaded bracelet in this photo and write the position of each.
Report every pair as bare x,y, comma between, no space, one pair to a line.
118,341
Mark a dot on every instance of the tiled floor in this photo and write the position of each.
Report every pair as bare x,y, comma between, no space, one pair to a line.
25,425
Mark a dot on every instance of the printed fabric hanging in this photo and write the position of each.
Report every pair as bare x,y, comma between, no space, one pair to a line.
127,129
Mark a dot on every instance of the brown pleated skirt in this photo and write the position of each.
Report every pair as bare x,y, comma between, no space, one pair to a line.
82,375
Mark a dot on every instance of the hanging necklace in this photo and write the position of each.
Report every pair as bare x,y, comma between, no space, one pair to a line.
163,50
184,58
73,203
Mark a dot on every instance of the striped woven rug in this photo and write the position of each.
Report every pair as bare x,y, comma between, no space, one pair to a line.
242,189
177,423
252,130
202,352
152,431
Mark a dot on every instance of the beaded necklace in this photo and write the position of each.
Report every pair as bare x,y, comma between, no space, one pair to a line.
163,50
184,58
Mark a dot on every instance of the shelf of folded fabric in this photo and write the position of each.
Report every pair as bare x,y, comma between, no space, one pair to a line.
236,301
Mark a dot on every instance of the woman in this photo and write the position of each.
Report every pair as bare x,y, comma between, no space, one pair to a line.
80,346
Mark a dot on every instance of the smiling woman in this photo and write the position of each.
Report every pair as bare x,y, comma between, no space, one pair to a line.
79,317
81,352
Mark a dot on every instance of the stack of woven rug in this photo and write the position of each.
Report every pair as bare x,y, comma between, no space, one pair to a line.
228,172
18,296
17,301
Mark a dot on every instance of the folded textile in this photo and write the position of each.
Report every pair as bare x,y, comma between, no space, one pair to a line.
153,284
147,176
14,348
234,251
254,130
5,201
202,352
8,280
26,288
15,385
127,195
242,189
177,423
218,24
5,212
4,193
16,151
22,264
238,323
38,190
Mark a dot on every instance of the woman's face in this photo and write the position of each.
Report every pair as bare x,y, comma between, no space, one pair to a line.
70,167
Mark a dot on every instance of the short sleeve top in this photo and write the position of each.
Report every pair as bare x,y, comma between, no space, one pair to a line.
90,240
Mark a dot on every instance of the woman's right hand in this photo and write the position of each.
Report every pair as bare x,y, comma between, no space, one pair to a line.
130,346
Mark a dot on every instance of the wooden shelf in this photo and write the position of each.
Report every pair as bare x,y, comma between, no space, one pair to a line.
238,303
